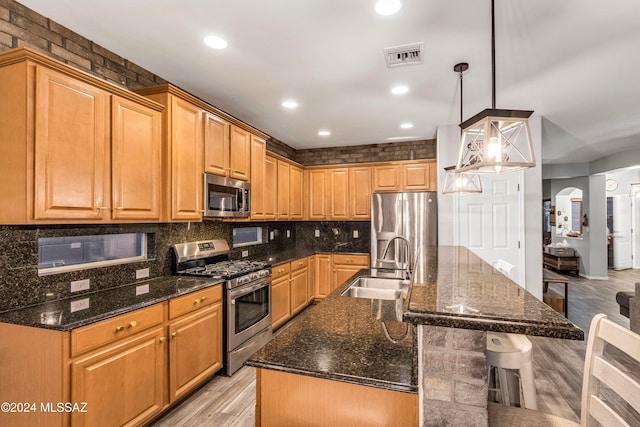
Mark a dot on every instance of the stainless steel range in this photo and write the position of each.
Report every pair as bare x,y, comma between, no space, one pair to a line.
247,296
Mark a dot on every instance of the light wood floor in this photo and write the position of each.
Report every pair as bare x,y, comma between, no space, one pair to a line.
558,366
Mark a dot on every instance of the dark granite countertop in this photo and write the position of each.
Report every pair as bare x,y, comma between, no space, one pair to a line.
297,253
69,313
341,338
455,288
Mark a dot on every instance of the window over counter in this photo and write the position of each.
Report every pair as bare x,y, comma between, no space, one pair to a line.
247,236
73,253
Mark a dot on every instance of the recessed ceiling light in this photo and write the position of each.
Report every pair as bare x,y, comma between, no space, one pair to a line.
215,42
324,133
388,7
289,103
406,125
399,90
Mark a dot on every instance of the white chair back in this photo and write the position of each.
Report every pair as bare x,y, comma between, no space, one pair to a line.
598,371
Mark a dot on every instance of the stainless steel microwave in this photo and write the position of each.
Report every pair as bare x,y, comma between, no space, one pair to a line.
226,197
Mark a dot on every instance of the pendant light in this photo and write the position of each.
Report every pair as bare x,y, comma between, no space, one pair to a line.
494,140
461,182
635,190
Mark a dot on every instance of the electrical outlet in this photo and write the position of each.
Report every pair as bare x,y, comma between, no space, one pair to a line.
142,273
317,233
272,235
80,285
355,234
245,253
288,233
142,289
78,305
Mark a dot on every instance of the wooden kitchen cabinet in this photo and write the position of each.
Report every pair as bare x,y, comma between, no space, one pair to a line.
280,295
360,192
195,349
345,266
239,154
123,384
316,181
216,145
419,177
311,282
338,193
299,285
136,161
295,192
67,138
258,177
323,276
387,178
270,187
284,172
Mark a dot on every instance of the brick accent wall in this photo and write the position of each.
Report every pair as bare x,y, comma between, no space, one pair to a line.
422,149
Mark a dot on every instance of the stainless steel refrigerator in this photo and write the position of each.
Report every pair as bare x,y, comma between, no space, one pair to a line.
409,215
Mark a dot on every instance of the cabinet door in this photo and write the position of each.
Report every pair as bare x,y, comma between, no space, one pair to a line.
386,178
280,301
295,192
123,383
136,161
360,192
195,350
299,288
418,177
240,154
342,273
72,149
283,190
258,184
186,161
270,187
216,145
323,276
317,194
311,275
338,193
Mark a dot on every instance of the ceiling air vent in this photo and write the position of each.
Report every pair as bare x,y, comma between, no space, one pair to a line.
409,54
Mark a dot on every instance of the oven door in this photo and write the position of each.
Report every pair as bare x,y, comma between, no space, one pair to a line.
249,311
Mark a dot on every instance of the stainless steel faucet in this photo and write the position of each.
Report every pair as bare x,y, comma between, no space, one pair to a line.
407,253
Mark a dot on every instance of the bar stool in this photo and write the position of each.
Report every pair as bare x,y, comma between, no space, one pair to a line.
509,355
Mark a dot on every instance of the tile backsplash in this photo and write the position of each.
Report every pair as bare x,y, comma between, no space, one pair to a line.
20,284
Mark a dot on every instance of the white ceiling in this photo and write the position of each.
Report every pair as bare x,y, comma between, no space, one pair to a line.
572,61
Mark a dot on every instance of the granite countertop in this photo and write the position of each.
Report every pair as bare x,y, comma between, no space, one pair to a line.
297,253
455,288
341,338
69,313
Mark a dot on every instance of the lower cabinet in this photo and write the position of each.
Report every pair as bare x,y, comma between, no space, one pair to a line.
289,290
299,285
127,369
195,349
332,270
122,384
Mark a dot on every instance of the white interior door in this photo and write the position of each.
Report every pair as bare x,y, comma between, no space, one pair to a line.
635,232
621,232
492,223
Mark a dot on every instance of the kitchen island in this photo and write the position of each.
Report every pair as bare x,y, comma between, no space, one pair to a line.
454,299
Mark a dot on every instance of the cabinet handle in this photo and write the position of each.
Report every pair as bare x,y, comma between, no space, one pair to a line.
132,324
203,299
162,339
119,328
173,335
196,301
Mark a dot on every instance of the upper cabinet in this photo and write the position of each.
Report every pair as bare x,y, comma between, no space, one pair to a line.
227,148
75,149
258,177
295,192
240,154
284,172
419,175
360,192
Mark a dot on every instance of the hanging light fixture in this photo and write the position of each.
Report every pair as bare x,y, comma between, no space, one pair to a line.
461,182
494,140
635,190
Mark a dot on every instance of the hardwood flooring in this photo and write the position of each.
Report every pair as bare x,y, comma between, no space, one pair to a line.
558,366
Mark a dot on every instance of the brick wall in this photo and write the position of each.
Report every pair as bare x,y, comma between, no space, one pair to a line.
423,149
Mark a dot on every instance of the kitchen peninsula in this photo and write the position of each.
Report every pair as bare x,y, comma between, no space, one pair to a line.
335,362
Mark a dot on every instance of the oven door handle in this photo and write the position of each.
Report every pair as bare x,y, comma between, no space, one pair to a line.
244,290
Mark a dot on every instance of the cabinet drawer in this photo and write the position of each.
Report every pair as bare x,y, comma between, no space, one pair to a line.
351,259
101,333
194,300
280,270
299,264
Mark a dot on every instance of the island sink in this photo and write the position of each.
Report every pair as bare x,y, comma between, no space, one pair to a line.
376,288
